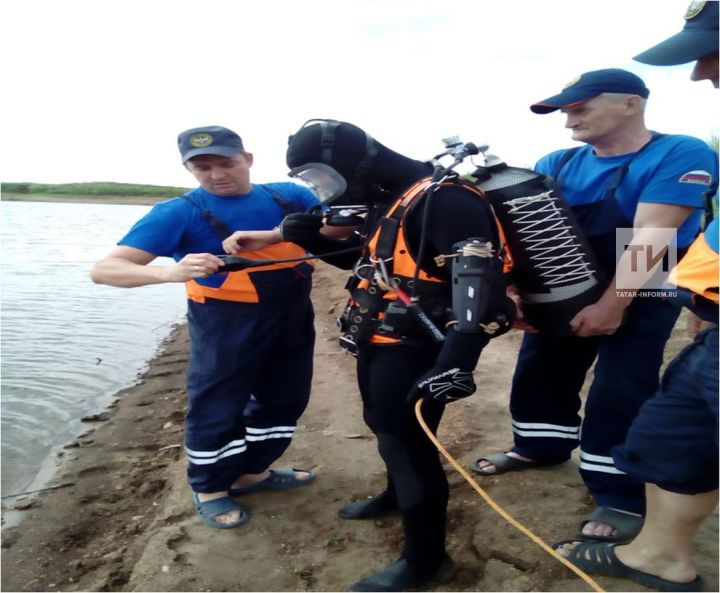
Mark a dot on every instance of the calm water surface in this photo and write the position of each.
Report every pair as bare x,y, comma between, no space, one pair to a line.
68,345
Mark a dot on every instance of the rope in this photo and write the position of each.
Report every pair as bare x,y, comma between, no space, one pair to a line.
550,241
584,576
475,248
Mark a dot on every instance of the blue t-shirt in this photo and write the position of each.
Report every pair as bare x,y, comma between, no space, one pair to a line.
175,227
673,169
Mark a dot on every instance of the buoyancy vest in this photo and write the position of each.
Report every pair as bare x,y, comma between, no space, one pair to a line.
698,270
250,286
368,317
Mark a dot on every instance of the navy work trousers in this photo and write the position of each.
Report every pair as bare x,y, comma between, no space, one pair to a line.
545,400
248,382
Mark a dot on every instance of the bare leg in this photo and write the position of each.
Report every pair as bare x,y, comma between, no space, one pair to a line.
664,545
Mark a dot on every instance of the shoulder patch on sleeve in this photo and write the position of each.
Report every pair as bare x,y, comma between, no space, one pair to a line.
698,177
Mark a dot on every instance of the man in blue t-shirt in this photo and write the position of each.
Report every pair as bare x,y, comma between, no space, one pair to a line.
673,443
625,176
251,330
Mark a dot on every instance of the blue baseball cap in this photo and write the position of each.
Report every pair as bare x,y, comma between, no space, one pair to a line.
209,140
699,38
591,84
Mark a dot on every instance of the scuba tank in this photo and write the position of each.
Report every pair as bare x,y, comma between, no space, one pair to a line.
554,268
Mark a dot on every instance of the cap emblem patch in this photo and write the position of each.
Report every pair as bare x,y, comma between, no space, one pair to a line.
573,82
201,140
694,9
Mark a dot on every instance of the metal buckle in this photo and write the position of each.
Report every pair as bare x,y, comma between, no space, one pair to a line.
347,344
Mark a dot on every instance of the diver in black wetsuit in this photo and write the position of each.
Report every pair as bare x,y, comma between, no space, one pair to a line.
416,324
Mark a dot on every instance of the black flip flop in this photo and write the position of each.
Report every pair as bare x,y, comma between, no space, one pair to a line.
504,464
600,558
279,479
627,526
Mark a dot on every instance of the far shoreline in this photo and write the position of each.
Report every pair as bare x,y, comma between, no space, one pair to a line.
87,199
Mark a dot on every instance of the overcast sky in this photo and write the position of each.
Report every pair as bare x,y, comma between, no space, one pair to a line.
98,90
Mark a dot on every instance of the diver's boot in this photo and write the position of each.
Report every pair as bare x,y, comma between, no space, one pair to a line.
375,506
400,575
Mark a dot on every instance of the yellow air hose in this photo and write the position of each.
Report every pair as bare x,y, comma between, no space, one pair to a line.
584,576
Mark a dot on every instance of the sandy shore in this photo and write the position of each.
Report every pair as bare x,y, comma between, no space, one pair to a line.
124,521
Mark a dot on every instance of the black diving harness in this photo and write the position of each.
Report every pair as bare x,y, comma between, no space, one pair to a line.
359,322
360,319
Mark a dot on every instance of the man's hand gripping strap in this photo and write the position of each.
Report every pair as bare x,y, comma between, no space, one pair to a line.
479,302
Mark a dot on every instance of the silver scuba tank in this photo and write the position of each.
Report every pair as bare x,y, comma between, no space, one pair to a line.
554,269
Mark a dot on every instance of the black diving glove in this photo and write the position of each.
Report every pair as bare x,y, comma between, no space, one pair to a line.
303,228
451,377
300,227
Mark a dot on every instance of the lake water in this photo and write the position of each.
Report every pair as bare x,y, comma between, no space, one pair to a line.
68,345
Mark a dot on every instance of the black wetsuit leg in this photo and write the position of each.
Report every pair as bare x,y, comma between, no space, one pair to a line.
386,373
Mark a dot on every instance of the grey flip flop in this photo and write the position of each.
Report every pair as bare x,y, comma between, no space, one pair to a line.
279,479
626,525
209,509
503,464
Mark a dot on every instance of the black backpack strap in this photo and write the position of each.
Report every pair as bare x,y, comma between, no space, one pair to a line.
622,170
388,228
223,231
218,226
619,173
564,160
287,206
708,203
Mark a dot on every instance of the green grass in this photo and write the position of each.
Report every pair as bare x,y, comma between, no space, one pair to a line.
95,192
95,188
